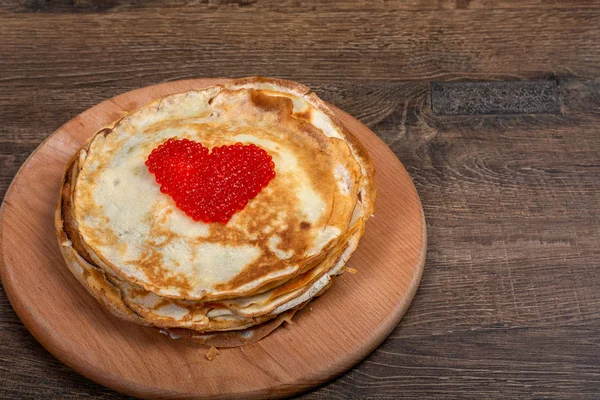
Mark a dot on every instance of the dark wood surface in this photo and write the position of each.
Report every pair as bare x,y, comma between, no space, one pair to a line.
509,304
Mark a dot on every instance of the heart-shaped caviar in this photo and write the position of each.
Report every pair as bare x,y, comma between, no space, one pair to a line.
210,186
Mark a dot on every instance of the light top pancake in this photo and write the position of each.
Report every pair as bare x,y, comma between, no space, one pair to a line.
132,302
139,233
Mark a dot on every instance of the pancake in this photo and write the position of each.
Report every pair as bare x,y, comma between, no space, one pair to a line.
214,316
224,284
293,222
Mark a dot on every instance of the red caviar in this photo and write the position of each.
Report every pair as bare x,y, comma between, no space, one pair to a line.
210,187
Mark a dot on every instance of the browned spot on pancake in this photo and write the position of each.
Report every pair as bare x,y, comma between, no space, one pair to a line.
293,240
104,236
258,269
209,129
304,225
304,115
271,104
137,291
105,132
151,263
97,274
317,141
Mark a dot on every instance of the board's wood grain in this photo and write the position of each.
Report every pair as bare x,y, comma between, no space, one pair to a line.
332,334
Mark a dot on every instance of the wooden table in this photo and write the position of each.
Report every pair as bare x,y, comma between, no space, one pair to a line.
508,171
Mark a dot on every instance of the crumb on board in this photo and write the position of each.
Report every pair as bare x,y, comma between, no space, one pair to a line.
353,271
212,353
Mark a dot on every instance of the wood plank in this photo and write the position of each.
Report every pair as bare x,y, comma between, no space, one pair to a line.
476,364
141,47
79,6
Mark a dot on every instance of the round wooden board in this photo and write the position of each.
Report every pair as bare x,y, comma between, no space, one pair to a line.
328,337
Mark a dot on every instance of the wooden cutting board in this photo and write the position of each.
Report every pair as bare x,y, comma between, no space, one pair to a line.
329,336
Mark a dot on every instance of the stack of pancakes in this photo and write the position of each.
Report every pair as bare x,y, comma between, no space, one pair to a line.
224,284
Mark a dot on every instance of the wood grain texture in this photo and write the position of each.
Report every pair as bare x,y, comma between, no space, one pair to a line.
386,43
329,336
508,305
